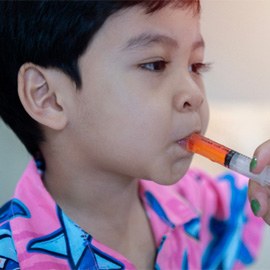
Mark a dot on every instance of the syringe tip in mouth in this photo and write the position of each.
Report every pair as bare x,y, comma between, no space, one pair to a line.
225,156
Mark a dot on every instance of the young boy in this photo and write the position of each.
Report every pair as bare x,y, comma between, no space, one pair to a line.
103,94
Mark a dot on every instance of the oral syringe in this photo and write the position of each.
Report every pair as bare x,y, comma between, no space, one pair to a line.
225,156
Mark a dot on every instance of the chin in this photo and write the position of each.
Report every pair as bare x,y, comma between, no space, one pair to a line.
172,176
169,179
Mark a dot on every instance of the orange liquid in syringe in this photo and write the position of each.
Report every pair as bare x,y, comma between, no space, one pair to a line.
216,152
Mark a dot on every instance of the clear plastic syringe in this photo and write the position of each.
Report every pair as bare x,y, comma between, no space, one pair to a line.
225,156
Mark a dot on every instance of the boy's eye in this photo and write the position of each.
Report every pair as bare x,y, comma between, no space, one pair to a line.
199,68
156,66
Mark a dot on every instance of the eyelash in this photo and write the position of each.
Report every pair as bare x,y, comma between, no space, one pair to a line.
156,66
160,65
199,68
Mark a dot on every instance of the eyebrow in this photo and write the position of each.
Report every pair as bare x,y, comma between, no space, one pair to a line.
147,39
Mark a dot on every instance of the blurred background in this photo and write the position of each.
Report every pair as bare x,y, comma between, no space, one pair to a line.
237,39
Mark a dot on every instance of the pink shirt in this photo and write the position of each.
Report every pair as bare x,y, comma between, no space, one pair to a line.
198,223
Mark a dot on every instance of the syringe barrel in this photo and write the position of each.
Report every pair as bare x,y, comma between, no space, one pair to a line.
241,164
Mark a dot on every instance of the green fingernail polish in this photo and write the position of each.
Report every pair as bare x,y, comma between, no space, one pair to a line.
253,164
255,206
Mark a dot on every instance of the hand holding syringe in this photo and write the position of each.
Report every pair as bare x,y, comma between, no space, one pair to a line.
227,157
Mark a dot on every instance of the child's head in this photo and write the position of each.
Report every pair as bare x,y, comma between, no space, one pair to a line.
94,48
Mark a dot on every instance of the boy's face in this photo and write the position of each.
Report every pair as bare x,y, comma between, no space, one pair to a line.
141,93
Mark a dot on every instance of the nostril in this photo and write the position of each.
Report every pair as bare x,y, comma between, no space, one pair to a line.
188,100
186,105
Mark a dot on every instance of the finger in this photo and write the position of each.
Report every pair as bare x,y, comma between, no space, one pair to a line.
259,197
266,216
261,157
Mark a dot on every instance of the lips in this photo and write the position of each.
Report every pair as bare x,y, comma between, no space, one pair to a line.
183,142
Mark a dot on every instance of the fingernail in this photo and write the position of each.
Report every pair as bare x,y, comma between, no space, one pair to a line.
253,164
255,206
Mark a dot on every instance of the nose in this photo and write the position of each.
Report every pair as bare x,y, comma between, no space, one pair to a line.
189,96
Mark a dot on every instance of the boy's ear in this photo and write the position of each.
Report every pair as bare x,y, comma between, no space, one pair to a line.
39,96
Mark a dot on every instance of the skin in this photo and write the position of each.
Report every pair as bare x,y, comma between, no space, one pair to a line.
144,112
256,191
142,92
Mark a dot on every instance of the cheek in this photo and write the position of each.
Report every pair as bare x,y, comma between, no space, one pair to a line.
138,140
154,123
144,129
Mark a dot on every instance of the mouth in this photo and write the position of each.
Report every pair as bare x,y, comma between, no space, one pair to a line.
183,142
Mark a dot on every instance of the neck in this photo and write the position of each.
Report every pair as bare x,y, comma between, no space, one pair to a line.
104,204
92,198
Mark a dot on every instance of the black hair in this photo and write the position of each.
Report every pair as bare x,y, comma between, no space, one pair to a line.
51,34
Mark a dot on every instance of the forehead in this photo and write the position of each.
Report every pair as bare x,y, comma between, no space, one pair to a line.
132,28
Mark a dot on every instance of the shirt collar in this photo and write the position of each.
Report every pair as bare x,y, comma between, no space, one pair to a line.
165,207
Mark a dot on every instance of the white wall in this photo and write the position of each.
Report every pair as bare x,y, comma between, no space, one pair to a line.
13,159
238,44
237,35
